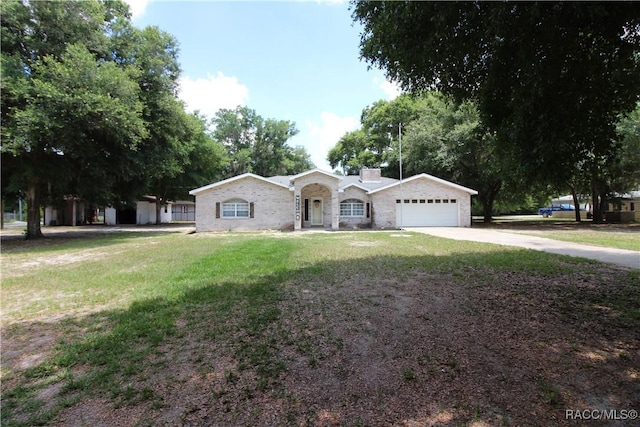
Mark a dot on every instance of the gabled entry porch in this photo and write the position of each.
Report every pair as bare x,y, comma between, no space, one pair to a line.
316,200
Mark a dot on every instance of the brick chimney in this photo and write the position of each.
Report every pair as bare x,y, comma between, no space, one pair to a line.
369,175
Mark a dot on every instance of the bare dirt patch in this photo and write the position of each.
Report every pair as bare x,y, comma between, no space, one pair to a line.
474,347
21,267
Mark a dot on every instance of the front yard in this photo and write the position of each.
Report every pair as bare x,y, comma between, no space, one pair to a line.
619,236
363,328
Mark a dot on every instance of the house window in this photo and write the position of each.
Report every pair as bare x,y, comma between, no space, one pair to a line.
632,206
352,207
236,208
453,200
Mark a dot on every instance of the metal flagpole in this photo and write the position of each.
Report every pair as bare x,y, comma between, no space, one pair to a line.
400,147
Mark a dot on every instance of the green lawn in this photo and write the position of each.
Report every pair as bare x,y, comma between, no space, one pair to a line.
629,240
102,317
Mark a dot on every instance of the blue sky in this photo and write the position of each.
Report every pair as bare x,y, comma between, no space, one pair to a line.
288,60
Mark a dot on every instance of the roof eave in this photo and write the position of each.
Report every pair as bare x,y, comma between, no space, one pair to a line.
196,191
471,191
309,172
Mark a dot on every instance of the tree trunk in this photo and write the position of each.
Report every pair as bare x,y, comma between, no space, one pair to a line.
158,210
33,212
598,202
488,199
576,205
603,206
487,210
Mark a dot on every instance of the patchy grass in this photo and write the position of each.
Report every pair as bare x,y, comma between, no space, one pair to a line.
346,328
629,240
620,236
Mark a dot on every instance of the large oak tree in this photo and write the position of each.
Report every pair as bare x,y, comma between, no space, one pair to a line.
70,114
90,109
550,78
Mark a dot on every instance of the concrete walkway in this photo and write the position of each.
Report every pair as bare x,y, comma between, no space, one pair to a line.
621,257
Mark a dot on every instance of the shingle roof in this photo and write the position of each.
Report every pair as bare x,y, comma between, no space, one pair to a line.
346,181
350,180
281,179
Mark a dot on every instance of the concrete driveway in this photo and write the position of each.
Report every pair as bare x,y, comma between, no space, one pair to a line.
621,257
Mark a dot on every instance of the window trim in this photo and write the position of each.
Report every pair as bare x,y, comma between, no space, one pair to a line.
235,204
354,205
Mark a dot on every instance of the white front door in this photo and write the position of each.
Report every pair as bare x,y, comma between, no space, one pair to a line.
316,212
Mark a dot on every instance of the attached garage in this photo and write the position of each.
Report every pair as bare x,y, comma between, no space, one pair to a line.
427,213
422,201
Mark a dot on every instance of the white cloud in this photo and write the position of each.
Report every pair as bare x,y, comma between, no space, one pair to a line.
318,137
137,7
391,89
208,95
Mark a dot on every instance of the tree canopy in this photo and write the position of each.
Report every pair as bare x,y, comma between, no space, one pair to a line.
550,78
90,109
449,140
370,145
258,145
69,112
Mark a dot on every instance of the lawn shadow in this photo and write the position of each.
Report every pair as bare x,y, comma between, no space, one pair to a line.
506,337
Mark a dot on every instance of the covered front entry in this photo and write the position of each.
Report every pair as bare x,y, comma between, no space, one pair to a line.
427,212
316,201
316,206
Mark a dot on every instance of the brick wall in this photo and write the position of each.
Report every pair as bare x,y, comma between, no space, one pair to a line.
384,202
355,222
272,206
370,175
320,185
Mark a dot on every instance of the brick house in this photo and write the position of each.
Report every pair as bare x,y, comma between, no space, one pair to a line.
316,198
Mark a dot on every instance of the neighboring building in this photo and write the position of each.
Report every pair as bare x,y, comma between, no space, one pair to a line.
75,211
71,211
183,210
146,211
622,208
321,199
628,205
585,207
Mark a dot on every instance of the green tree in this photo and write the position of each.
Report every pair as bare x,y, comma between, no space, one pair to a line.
622,170
208,160
448,140
258,145
626,169
550,78
70,115
370,146
350,153
270,148
164,154
298,160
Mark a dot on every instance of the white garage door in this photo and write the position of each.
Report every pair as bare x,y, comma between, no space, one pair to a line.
427,213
